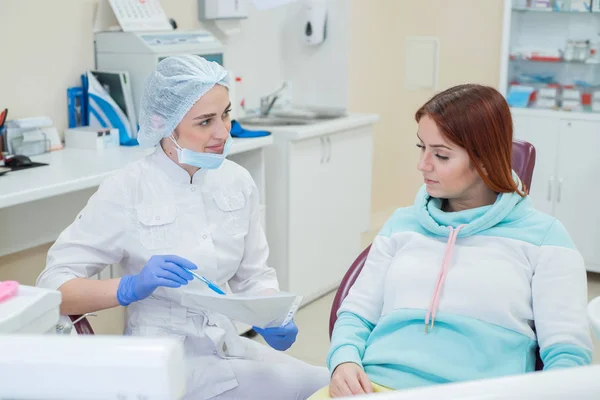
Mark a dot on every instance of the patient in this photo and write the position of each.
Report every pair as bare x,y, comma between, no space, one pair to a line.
469,281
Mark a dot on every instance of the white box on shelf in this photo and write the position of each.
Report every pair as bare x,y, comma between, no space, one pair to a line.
571,94
543,102
85,137
548,92
596,106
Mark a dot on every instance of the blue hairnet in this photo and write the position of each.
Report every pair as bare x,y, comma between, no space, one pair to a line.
171,90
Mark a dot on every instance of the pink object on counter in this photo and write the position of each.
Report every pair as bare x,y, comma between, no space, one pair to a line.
8,290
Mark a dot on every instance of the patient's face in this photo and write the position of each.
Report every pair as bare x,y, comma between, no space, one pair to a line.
447,169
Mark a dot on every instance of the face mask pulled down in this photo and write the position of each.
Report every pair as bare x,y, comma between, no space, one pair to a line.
202,160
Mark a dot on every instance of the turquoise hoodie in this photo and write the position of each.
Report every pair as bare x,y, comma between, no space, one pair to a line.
456,296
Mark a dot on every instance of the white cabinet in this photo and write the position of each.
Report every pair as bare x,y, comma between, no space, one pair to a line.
319,203
565,176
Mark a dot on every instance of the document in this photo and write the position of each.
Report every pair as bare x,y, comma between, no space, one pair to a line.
266,311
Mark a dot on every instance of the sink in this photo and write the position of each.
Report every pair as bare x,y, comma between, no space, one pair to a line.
275,121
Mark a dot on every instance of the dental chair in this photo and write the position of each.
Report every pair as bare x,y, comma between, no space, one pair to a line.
523,162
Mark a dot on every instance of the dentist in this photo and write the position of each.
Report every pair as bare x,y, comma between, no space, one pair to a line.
184,207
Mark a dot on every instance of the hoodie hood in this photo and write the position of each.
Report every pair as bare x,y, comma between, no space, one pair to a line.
507,206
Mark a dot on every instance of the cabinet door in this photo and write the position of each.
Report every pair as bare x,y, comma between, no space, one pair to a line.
543,134
577,187
308,230
329,195
349,173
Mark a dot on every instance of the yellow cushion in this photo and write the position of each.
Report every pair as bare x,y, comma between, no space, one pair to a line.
323,394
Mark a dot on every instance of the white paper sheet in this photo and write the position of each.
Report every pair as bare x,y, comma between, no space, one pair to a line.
260,311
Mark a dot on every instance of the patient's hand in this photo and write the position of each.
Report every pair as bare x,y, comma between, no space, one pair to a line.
349,379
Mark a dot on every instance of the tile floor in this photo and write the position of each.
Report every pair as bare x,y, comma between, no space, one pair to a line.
313,323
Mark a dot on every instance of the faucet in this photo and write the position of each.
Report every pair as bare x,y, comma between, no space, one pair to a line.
267,102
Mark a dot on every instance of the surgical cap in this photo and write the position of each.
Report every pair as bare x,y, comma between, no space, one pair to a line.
171,90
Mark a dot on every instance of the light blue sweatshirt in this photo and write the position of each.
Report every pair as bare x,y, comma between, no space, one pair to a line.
513,282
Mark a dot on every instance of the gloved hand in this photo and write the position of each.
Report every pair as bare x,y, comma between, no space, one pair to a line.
168,271
280,338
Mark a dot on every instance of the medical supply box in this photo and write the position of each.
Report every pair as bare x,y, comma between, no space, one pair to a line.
85,137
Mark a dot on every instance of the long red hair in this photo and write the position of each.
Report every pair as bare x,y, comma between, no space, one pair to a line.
477,118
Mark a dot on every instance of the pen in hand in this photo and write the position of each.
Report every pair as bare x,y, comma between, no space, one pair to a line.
208,283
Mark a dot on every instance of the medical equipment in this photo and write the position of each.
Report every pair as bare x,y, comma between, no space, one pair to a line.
139,52
131,15
32,310
92,367
568,383
85,137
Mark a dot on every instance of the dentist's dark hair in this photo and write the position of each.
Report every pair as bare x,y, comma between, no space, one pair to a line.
477,118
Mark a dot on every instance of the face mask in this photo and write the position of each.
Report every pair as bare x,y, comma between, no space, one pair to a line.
202,160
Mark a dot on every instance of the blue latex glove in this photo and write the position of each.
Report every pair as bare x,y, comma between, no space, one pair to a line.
168,271
280,338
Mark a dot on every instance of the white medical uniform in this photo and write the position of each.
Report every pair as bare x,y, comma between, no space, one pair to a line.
152,207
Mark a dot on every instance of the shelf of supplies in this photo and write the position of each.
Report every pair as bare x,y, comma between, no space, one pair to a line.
546,11
550,113
550,61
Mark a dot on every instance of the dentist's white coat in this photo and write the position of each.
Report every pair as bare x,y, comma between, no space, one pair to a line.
152,207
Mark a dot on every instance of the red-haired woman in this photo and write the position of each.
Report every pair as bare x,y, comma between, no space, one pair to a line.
470,281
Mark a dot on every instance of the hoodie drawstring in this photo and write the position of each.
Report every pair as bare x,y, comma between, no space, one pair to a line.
435,299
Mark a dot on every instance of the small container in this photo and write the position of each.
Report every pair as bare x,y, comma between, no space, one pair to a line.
571,93
547,103
594,56
551,92
569,53
22,146
582,50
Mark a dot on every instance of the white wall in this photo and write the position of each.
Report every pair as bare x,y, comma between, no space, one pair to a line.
319,74
45,51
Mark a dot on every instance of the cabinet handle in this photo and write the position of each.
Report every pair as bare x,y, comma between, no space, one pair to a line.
550,182
329,149
323,151
559,195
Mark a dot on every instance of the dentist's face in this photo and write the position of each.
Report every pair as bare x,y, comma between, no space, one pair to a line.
447,169
206,126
